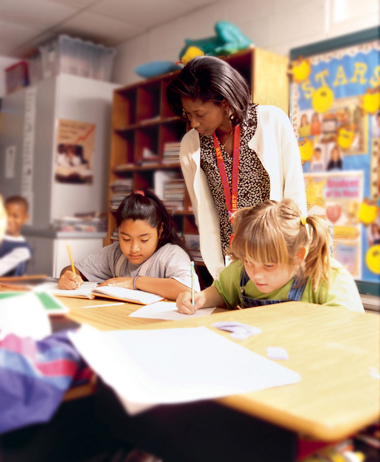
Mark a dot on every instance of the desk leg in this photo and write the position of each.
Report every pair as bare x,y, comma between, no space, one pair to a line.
197,432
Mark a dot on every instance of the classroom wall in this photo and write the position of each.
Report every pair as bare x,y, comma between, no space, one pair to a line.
276,25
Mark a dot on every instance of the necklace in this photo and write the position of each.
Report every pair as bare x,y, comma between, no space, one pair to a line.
229,136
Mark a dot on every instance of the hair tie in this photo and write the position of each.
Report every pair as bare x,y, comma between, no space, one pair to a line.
140,192
303,220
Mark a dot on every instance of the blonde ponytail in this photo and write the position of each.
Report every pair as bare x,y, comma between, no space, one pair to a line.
317,264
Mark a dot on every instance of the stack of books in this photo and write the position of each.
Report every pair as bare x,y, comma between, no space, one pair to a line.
192,244
115,235
116,200
174,194
122,186
170,153
148,158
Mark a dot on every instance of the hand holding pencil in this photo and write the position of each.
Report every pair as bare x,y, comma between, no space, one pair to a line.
70,280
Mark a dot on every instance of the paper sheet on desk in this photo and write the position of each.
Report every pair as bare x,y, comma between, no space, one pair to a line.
24,315
167,311
163,366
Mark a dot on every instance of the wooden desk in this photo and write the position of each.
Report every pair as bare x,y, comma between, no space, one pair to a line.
331,348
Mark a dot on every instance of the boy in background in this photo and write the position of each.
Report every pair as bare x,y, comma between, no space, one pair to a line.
14,250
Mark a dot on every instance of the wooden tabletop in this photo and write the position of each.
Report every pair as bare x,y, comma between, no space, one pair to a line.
332,349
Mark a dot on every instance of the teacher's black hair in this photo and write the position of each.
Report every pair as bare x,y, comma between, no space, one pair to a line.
210,79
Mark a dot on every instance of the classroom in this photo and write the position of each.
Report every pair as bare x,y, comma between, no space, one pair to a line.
189,231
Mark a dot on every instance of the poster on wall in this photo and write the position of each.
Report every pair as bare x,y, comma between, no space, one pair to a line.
335,111
74,152
337,197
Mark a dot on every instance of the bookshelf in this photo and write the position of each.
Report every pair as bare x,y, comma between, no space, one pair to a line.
145,130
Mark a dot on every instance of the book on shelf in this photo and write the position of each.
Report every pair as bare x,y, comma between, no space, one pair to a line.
122,185
90,290
173,205
148,158
160,177
122,167
115,235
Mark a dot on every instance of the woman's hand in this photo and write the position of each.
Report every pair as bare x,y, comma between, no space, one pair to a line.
127,283
69,281
184,302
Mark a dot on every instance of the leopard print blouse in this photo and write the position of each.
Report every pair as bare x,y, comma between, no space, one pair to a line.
253,183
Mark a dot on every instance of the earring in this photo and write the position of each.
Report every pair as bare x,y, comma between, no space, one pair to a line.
227,113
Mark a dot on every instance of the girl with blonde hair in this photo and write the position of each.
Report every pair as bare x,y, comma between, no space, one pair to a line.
278,256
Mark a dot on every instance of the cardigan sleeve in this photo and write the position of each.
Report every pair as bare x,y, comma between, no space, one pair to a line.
294,187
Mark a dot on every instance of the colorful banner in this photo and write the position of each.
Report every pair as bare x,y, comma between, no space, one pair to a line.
335,110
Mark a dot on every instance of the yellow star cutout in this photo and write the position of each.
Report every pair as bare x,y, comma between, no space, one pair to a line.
314,194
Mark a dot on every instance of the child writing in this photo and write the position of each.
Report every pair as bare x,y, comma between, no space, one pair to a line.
15,252
275,261
149,255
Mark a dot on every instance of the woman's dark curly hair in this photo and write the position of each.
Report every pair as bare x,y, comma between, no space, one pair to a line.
210,79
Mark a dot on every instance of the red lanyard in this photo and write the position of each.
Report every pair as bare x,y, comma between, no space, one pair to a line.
231,199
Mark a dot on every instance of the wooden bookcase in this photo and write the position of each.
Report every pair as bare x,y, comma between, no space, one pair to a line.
142,119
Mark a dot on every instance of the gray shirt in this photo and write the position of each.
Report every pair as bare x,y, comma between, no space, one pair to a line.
170,261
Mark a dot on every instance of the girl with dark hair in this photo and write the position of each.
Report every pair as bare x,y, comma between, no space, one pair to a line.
277,259
149,255
237,154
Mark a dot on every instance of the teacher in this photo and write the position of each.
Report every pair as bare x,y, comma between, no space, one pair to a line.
237,154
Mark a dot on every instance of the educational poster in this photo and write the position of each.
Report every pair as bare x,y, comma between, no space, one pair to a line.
335,111
337,197
74,152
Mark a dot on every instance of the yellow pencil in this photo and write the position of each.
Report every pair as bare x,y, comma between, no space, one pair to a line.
71,259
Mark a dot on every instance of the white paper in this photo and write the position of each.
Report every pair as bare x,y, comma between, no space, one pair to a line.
24,316
168,312
148,367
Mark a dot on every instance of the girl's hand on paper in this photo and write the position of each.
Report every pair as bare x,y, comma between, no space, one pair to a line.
127,283
184,302
69,281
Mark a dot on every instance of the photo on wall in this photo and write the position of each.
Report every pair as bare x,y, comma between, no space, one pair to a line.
74,152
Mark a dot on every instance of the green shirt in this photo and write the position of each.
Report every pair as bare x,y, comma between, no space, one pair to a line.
341,292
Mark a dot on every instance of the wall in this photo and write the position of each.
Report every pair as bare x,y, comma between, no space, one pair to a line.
276,25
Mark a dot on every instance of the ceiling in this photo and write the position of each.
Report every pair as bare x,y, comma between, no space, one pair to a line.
25,24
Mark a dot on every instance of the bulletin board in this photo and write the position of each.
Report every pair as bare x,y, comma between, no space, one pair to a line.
335,111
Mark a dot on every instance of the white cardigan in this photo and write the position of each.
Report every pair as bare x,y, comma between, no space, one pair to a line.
276,146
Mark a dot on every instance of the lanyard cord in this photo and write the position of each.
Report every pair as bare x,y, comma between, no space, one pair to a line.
231,199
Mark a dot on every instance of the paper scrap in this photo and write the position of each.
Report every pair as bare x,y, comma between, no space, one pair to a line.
277,353
374,373
239,331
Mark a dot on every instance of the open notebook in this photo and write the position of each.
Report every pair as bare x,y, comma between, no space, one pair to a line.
91,290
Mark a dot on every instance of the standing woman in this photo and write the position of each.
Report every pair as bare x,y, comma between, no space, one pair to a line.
237,154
